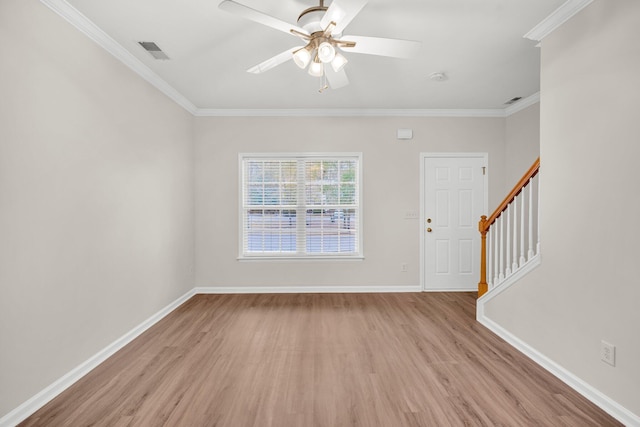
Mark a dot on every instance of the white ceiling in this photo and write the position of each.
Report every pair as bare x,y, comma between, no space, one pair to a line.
479,44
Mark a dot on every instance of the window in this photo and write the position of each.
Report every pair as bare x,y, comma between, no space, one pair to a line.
300,206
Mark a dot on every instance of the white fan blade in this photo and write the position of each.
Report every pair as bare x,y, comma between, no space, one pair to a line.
274,62
259,17
384,47
336,80
342,13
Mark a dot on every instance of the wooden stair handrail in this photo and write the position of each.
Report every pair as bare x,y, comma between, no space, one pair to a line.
485,223
517,189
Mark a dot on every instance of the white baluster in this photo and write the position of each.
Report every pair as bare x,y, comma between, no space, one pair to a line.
507,242
522,229
489,259
538,214
514,243
501,244
530,253
495,253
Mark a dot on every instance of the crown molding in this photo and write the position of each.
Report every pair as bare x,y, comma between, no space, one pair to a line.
364,112
91,30
355,112
556,19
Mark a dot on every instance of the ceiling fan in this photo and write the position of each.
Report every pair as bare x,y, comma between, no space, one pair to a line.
321,27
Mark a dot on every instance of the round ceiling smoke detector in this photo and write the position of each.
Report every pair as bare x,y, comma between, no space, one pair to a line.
438,77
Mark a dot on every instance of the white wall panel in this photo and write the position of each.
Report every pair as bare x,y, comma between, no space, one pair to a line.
96,200
586,288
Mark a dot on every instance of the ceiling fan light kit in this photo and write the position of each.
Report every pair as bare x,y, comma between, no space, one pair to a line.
338,62
326,52
316,69
302,57
321,28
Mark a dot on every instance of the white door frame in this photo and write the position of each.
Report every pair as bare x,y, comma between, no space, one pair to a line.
423,157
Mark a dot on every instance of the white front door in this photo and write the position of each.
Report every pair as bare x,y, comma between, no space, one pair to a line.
454,198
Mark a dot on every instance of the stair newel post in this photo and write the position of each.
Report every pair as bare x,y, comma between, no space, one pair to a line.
482,227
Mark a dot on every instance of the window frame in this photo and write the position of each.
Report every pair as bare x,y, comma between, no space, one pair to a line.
304,156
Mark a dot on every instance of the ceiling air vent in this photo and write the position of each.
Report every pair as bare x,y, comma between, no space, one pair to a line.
513,100
154,50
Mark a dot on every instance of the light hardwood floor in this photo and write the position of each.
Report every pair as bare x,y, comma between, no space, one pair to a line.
320,360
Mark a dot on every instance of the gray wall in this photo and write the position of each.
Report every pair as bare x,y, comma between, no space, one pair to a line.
391,187
96,200
522,143
587,287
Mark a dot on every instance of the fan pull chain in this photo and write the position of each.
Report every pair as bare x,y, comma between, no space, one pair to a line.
324,85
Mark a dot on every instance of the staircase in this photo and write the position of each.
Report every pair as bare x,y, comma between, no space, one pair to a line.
510,237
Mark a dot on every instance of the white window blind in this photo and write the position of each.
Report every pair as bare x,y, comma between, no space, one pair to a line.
300,205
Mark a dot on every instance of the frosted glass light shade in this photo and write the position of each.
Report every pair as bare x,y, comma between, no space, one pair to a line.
316,69
302,57
326,52
338,62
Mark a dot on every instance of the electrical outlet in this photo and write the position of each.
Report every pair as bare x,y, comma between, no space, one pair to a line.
404,267
608,353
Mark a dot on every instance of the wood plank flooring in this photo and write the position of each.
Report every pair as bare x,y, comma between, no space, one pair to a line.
320,360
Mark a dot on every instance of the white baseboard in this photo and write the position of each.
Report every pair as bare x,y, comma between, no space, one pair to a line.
607,404
613,408
23,411
304,289
45,396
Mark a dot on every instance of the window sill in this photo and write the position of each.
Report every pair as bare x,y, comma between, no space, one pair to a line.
302,258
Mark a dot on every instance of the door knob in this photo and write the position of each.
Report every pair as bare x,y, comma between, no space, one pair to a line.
429,230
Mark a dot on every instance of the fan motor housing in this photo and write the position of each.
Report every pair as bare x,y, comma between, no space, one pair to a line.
310,19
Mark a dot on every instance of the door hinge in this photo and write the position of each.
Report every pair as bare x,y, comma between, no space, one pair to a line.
484,170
